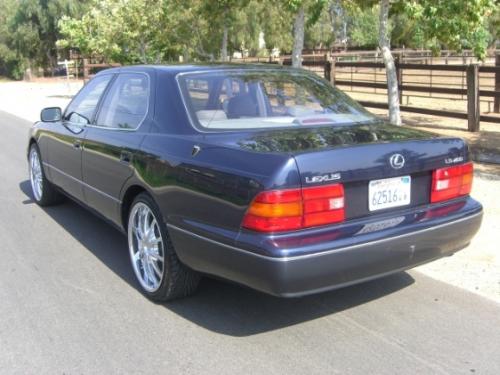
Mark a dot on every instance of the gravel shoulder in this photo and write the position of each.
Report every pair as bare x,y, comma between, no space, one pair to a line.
476,268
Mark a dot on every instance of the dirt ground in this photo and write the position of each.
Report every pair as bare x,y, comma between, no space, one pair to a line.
476,268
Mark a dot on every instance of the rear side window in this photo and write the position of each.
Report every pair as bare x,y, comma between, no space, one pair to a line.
126,103
198,93
82,108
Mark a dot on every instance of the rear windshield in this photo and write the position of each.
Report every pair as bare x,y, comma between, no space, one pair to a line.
242,100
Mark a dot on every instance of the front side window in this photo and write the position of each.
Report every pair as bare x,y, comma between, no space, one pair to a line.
126,103
241,100
82,108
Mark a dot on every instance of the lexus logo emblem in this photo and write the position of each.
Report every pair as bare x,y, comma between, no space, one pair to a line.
397,161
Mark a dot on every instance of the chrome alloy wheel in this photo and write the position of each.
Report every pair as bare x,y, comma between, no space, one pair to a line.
36,176
146,247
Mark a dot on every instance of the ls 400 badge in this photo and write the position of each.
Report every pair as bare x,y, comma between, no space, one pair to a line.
458,159
323,178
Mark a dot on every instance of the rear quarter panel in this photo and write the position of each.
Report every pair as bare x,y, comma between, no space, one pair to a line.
210,192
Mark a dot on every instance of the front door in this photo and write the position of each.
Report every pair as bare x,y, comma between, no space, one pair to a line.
64,145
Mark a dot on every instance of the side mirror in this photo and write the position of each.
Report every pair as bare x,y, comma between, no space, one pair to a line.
51,114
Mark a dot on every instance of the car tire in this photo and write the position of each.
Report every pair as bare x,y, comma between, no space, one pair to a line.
44,193
159,272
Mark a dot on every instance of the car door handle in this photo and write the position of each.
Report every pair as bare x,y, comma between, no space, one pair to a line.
77,144
125,157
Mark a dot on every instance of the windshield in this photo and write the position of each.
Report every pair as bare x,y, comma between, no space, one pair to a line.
242,100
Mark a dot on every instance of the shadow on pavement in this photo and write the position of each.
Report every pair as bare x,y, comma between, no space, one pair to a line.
218,306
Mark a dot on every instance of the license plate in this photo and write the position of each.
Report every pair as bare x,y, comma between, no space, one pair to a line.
389,192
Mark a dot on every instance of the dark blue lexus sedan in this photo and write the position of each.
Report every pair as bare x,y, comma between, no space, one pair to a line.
265,176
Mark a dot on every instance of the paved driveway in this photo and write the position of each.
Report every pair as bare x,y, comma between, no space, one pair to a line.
69,304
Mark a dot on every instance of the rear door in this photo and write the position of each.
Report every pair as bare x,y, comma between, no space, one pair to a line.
64,145
112,140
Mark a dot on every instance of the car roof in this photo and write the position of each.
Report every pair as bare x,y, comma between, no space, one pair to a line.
183,68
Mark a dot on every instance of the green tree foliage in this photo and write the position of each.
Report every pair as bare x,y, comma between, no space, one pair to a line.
146,31
436,24
364,27
406,32
247,26
276,26
454,24
222,15
10,63
126,31
321,33
151,31
34,28
28,32
493,26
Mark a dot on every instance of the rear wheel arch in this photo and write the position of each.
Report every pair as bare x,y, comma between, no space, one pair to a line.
128,198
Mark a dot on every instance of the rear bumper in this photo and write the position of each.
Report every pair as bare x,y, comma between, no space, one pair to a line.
332,267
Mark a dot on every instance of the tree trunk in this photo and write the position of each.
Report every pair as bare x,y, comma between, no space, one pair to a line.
390,67
185,54
27,73
201,51
298,38
223,50
142,51
52,62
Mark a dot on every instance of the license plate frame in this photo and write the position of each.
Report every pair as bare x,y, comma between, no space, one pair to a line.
389,193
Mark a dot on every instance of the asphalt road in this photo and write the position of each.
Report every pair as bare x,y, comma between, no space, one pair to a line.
69,304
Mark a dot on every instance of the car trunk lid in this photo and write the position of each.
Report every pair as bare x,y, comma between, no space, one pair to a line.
357,155
405,162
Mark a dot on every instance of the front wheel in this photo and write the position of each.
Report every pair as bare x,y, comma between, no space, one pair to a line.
158,270
44,192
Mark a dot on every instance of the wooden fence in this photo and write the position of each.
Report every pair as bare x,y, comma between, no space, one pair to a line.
404,55
92,66
469,82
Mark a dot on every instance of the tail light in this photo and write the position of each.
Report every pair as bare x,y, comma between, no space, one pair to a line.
452,182
283,210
